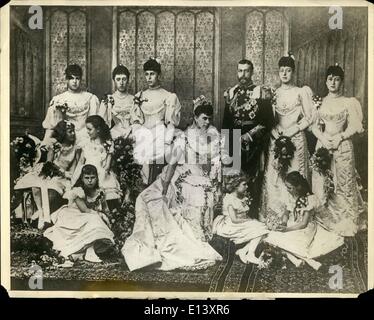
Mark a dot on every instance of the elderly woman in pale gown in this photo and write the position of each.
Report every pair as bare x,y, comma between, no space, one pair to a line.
338,119
293,107
174,215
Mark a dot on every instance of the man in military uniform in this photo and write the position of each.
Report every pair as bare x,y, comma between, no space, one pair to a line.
248,108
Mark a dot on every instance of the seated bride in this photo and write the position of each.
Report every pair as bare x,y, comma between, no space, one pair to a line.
174,215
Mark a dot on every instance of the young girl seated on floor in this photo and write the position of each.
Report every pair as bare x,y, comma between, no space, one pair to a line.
300,233
81,227
235,224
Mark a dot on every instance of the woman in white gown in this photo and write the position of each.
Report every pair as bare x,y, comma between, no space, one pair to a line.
293,107
338,119
301,234
174,214
156,114
117,109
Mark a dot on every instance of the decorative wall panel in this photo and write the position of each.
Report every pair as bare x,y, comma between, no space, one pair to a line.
204,54
146,27
266,40
127,43
254,43
78,41
165,47
274,45
67,42
182,40
58,51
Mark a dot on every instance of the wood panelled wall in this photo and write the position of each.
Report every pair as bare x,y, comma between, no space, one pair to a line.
347,47
26,77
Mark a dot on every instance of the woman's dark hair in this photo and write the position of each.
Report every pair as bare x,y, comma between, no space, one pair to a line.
152,65
73,70
301,185
87,169
121,69
59,131
100,125
335,71
205,107
287,61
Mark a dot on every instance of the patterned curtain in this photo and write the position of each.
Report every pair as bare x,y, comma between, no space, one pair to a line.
182,39
67,43
266,40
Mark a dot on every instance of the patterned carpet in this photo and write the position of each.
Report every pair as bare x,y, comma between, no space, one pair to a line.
229,275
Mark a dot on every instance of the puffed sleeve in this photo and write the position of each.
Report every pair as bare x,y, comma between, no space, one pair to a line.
74,193
52,117
313,202
230,200
173,110
94,105
308,110
355,117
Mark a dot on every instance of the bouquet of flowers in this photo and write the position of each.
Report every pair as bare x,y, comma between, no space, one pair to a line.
108,98
108,145
284,151
122,221
321,162
273,220
25,151
138,99
50,170
125,167
62,107
317,101
272,257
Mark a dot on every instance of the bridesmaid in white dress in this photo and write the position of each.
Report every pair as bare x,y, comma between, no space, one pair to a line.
64,153
73,105
301,234
118,107
338,119
83,221
98,151
160,114
293,107
234,222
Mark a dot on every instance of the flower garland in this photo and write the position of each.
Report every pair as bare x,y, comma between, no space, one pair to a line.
24,149
317,101
122,221
273,220
108,146
284,151
321,162
62,107
50,170
108,99
125,167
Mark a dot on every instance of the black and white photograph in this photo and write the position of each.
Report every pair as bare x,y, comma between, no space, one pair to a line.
186,147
